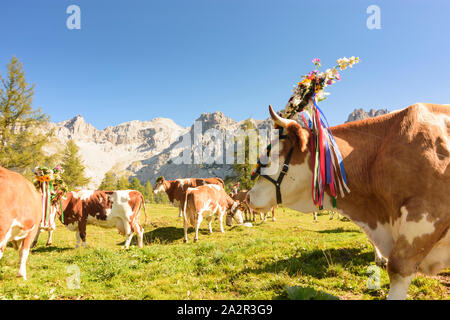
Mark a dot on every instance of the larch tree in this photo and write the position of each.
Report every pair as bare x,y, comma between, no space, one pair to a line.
21,126
73,166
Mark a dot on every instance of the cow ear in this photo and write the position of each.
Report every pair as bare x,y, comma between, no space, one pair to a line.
298,135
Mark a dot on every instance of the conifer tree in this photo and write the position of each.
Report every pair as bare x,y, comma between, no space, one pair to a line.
21,143
73,167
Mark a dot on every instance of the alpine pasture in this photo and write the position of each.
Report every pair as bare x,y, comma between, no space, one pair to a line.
261,262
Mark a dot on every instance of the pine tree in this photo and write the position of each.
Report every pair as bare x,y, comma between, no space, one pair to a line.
21,144
148,192
123,183
73,167
244,170
136,185
109,182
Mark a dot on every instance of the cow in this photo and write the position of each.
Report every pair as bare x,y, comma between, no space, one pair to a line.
20,215
398,172
176,189
249,213
107,209
206,202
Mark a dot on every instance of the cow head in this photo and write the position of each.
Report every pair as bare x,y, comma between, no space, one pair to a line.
295,187
159,185
234,213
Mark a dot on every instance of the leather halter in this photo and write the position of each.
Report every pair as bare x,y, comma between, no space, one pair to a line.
284,169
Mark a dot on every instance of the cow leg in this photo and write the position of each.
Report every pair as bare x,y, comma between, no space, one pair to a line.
210,220
4,237
273,214
411,247
197,226
82,232
25,250
129,236
77,235
49,240
221,221
185,225
180,212
139,231
379,259
140,236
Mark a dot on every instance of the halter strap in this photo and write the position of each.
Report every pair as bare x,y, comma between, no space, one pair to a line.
283,172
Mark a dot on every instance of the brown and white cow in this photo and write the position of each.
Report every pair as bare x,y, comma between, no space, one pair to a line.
206,202
249,213
108,209
398,170
20,214
176,189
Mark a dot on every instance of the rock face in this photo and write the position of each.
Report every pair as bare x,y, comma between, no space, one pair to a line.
149,149
360,114
118,148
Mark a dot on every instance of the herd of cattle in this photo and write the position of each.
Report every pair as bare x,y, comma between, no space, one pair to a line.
197,199
398,171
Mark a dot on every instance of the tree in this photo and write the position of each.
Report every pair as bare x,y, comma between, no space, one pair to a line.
136,185
123,183
21,143
109,182
148,192
73,167
244,170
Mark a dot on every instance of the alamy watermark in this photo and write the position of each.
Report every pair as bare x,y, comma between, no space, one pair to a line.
374,20
373,281
74,280
228,147
74,20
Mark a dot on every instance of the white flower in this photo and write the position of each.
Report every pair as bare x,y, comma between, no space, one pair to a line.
322,95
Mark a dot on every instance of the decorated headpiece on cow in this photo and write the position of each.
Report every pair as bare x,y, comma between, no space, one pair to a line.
49,181
328,168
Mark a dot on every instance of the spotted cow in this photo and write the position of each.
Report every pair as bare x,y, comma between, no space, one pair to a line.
206,202
176,189
108,209
398,171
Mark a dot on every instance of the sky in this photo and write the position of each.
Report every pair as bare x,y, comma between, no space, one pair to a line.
140,60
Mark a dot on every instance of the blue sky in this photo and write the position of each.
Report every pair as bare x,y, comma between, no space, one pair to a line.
178,58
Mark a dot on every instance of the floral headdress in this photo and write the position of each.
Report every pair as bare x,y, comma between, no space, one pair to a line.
53,188
314,84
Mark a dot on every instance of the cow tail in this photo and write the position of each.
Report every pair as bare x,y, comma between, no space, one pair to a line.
145,212
184,207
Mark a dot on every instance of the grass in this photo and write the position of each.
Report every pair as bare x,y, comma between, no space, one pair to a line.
272,260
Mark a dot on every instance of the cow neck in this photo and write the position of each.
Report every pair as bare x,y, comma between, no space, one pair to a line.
169,187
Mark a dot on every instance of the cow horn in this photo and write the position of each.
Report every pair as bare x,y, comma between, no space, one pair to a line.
277,119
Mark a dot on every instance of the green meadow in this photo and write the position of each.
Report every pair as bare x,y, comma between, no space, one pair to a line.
271,260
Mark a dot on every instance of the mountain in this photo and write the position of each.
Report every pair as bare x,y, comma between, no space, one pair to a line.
149,149
360,114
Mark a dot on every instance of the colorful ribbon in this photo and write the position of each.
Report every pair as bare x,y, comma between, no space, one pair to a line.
328,166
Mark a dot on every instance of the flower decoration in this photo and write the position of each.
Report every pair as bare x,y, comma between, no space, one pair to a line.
314,83
53,179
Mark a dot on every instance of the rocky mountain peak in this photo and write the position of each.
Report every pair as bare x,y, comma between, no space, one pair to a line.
360,114
215,120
